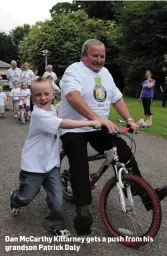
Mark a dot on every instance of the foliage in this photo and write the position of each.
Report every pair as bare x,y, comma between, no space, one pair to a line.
143,39
18,34
63,37
7,48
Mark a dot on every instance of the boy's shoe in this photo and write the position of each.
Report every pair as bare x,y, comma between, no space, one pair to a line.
83,221
15,211
60,231
161,194
15,116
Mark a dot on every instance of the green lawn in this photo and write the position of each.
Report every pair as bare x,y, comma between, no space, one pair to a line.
159,127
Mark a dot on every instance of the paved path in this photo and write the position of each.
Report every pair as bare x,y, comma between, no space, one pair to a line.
151,155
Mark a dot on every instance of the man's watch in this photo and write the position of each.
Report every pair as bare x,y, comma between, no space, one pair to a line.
129,119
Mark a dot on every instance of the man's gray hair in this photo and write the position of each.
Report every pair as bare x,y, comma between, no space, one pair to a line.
89,42
13,61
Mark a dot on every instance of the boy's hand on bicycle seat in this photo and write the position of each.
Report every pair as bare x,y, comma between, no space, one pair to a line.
111,127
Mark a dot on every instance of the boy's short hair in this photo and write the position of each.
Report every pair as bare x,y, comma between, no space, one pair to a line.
42,79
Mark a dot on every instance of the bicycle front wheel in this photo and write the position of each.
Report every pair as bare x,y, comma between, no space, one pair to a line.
141,223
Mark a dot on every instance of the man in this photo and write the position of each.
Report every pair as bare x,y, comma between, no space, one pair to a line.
163,89
49,72
14,74
88,90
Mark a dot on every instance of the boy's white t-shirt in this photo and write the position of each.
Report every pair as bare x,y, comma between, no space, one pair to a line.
40,153
2,99
97,89
53,74
28,76
15,92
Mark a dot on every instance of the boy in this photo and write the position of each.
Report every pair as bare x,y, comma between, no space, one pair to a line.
3,102
40,160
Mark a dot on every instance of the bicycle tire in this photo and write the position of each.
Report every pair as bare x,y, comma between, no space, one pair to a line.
157,212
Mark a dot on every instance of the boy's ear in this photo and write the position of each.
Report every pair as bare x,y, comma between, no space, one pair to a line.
54,94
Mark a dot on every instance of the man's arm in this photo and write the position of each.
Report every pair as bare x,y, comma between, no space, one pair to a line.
78,103
122,109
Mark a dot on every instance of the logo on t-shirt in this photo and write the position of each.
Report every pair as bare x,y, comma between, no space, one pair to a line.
99,91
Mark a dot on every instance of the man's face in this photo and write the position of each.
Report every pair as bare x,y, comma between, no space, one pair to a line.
95,57
13,64
43,94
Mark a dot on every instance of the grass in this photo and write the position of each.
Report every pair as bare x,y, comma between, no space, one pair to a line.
159,127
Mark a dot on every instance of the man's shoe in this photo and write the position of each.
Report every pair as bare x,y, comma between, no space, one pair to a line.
60,231
83,221
161,194
15,210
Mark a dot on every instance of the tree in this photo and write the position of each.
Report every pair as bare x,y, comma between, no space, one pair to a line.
105,10
7,48
143,43
63,8
18,34
63,37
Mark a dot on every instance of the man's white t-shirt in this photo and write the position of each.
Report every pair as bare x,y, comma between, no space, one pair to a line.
28,76
97,89
15,93
53,74
14,75
2,99
40,153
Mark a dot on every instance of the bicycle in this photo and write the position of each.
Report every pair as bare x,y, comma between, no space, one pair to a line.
118,198
23,114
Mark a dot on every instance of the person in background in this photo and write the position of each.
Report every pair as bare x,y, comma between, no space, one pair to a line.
14,74
163,89
27,74
146,95
3,102
15,94
49,72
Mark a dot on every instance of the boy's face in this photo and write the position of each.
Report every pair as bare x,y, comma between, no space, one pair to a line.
43,94
1,89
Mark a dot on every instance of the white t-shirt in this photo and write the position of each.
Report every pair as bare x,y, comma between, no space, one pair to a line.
14,74
28,76
15,92
97,89
2,99
40,153
53,74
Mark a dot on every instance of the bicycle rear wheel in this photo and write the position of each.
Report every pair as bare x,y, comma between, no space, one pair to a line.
137,226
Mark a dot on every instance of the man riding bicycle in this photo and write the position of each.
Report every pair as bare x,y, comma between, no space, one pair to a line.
88,90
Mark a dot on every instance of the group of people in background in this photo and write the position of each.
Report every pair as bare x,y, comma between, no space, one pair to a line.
20,81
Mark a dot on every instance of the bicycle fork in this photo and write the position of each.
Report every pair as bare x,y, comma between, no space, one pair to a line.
123,188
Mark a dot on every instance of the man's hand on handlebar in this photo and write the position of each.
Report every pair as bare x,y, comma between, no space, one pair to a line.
133,125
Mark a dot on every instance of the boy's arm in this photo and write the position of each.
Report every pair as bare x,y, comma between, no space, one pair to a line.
70,124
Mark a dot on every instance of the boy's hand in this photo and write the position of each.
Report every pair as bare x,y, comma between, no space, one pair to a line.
96,124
